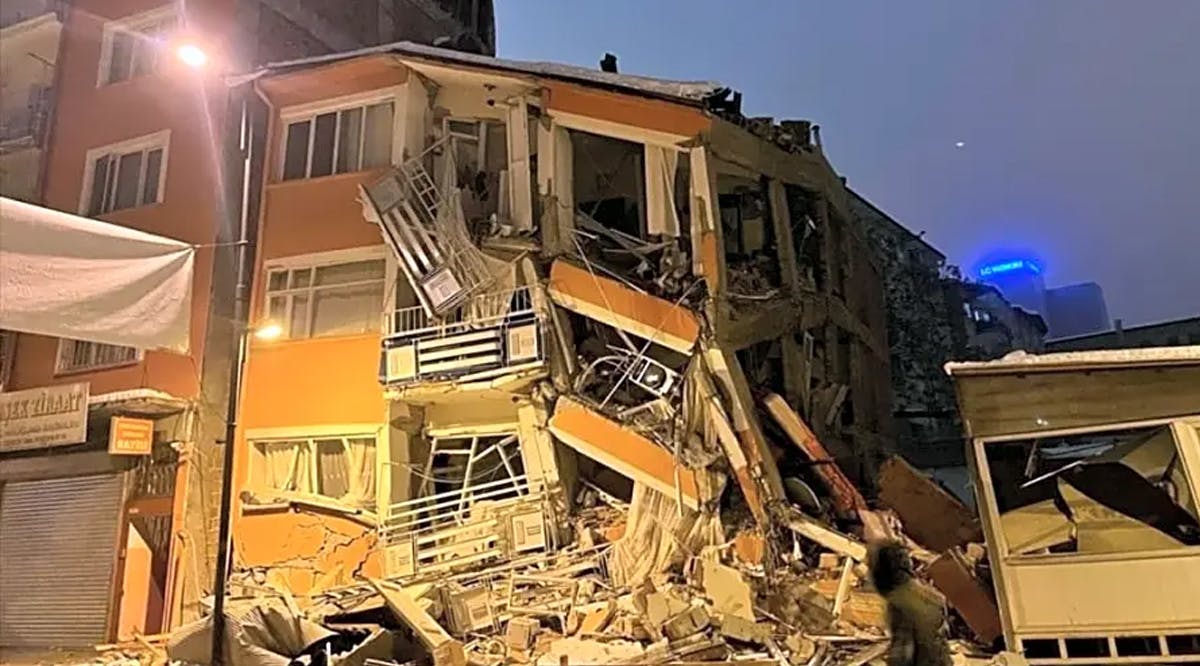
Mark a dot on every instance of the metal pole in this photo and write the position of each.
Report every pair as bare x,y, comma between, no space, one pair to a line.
241,330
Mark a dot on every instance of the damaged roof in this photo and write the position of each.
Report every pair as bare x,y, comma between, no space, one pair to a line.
1024,361
687,92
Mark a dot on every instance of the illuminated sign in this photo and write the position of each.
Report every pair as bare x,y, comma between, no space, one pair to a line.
1012,266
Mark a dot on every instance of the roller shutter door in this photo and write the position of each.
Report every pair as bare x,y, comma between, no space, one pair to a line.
57,540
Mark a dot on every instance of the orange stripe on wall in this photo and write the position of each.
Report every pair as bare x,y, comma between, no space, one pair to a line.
626,109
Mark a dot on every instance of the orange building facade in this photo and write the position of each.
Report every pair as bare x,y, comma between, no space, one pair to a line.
141,139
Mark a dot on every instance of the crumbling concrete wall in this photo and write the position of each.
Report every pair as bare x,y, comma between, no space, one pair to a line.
921,326
301,549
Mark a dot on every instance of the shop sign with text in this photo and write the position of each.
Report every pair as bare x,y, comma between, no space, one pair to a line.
43,417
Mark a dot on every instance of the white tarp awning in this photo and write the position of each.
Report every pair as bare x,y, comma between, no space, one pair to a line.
72,277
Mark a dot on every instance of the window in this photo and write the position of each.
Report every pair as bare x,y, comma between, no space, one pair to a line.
130,48
79,355
126,175
1110,491
341,468
326,299
340,141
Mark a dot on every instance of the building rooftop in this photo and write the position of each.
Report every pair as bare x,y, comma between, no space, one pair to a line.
1024,361
695,93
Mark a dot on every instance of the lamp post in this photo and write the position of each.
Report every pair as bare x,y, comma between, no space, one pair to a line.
237,159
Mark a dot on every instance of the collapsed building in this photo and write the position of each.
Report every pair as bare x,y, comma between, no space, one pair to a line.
623,327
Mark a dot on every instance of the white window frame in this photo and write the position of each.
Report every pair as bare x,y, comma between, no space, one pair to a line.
257,436
310,111
59,369
145,144
134,24
313,261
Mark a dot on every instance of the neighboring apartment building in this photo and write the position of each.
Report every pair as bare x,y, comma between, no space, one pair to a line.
935,317
29,34
1173,333
497,281
141,140
995,327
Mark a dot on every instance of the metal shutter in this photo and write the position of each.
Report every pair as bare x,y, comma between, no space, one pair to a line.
57,540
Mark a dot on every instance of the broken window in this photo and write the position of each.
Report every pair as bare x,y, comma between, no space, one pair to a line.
806,239
609,182
751,255
476,161
1109,491
337,468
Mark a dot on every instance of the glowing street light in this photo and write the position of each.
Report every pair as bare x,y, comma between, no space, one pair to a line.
193,56
269,331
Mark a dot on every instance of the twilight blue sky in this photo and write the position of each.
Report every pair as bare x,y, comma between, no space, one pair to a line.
1080,118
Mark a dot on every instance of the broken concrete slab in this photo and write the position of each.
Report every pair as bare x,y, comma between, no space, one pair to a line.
621,449
611,302
932,517
741,629
728,591
446,651
691,621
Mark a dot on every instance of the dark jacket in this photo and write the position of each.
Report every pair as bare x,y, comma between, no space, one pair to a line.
914,616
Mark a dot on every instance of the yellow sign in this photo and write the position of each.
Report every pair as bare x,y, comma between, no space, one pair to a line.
130,437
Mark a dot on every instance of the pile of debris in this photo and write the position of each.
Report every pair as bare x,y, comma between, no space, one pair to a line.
643,582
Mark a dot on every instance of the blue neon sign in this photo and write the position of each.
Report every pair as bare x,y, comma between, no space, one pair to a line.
1011,266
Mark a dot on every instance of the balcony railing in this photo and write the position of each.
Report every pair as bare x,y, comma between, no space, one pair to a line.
496,331
488,521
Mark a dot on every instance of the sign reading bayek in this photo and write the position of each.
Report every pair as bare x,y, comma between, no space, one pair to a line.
42,417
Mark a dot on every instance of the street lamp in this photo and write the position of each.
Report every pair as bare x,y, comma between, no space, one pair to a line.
193,56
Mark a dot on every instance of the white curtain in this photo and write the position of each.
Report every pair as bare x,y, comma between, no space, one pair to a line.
360,459
285,466
662,217
67,276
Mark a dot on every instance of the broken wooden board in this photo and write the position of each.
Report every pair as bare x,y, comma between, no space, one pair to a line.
827,537
932,517
952,576
445,649
846,497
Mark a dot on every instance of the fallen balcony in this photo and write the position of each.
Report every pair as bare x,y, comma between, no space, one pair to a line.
489,335
466,528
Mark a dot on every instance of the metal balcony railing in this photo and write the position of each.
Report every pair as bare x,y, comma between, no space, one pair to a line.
493,332
480,311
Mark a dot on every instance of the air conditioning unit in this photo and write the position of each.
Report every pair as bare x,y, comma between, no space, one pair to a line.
527,531
523,343
400,559
401,362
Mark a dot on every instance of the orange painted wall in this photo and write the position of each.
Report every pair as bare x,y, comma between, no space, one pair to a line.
626,109
302,383
318,215
89,116
301,547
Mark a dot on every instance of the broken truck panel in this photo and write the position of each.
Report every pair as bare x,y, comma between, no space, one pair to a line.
620,449
1085,467
611,302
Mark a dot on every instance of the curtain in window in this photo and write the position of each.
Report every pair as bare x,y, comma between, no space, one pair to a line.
285,466
661,216
360,458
